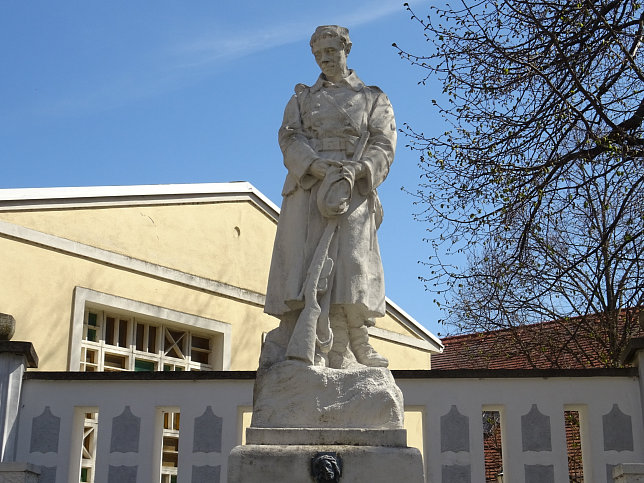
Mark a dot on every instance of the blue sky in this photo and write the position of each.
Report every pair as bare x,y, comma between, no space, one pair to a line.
126,93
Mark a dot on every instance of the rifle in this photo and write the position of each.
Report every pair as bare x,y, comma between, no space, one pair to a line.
314,318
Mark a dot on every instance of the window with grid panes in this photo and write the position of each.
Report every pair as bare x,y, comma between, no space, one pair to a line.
117,342
170,446
88,448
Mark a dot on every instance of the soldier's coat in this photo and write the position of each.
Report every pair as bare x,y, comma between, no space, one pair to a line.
327,120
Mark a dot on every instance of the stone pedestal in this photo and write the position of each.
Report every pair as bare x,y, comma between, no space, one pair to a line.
364,455
629,473
307,415
293,395
15,357
19,473
396,438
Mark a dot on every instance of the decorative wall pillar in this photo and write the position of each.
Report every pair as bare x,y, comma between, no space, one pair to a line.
634,354
15,357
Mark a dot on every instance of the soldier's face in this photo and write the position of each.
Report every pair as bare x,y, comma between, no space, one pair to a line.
331,57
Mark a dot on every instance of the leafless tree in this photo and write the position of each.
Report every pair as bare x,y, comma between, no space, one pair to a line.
538,180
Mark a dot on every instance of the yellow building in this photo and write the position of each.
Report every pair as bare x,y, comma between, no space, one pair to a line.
167,277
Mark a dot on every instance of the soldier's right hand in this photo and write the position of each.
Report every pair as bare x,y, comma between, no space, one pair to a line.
319,167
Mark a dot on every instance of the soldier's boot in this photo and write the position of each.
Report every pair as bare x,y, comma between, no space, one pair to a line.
274,346
337,356
365,354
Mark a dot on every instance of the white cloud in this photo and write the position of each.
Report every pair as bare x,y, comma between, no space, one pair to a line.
224,46
180,64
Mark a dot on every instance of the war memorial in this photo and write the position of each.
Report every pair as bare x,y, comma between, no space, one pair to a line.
136,362
325,405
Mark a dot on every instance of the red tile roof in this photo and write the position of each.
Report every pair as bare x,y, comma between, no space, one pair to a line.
573,343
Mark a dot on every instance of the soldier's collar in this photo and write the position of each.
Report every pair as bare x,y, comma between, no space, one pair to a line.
352,81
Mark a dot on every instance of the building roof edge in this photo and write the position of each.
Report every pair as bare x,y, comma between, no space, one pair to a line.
47,198
35,197
413,325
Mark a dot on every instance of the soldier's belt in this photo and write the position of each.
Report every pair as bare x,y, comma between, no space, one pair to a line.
346,144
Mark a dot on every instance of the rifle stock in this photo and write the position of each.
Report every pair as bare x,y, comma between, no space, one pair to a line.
302,344
304,339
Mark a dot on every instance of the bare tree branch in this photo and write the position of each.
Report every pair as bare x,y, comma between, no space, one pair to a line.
538,179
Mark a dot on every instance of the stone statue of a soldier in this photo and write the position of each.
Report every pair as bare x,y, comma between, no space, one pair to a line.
326,281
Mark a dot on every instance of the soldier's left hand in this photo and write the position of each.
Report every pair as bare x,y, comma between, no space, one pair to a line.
358,168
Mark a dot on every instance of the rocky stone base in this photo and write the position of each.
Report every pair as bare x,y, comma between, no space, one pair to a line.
293,463
293,395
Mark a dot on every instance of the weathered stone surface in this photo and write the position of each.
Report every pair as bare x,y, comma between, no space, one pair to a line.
294,395
535,431
539,474
292,464
321,387
325,436
208,431
326,281
126,428
7,326
47,474
618,430
456,473
13,472
210,474
45,431
455,431
122,474
628,473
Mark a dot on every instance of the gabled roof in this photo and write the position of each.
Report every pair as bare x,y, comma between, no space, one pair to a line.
87,196
103,196
552,344
413,325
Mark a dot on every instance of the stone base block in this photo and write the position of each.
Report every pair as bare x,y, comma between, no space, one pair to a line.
292,463
629,473
19,473
327,436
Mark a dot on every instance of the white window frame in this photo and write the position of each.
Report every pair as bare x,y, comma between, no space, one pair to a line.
168,340
80,424
89,427
167,472
85,298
